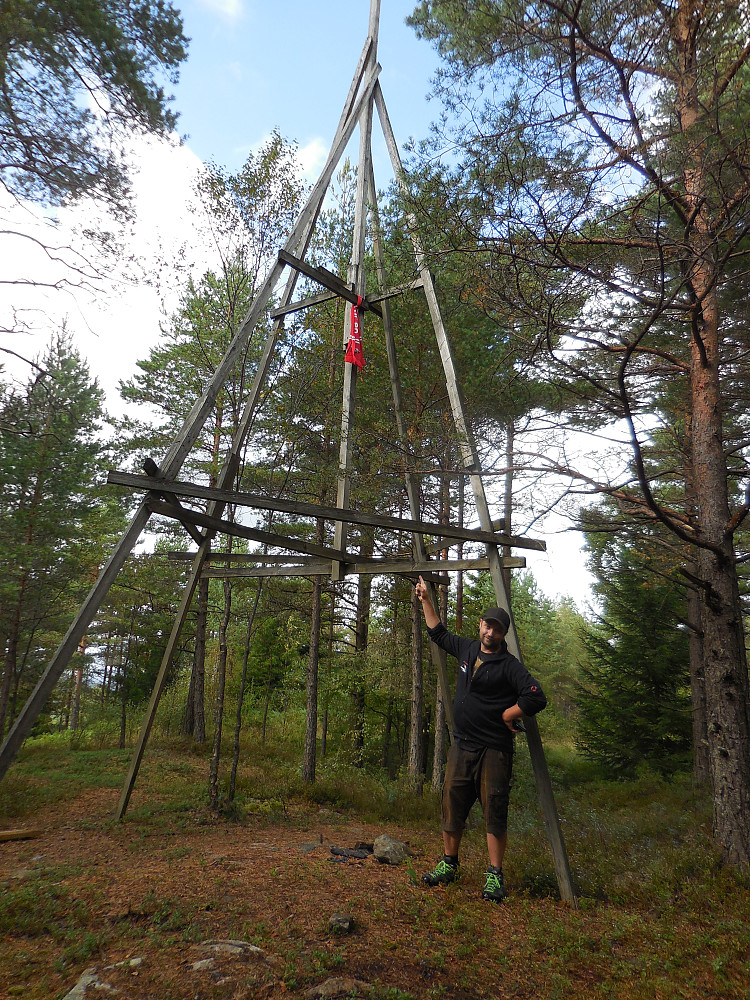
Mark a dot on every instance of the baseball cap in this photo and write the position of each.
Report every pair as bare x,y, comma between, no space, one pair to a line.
498,615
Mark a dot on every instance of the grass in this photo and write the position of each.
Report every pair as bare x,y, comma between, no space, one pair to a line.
660,916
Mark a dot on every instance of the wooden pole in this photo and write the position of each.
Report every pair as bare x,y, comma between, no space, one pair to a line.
437,655
357,281
471,464
243,499
301,236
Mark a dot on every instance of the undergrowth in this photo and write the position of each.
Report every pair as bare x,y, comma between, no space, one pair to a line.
655,901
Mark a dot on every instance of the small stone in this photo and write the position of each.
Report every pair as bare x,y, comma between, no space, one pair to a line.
309,848
231,947
339,987
390,851
89,979
342,923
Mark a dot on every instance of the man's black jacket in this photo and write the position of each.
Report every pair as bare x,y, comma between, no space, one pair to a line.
480,700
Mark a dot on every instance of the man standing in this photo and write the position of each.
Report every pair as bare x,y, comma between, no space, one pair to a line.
494,691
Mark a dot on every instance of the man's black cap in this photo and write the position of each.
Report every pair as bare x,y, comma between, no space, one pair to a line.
498,615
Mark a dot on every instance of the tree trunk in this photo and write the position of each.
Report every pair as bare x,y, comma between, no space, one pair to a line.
221,674
416,729
362,629
187,722
123,701
241,695
313,659
199,664
724,656
701,769
266,707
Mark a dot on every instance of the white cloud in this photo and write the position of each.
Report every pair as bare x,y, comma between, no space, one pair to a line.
232,10
114,318
312,158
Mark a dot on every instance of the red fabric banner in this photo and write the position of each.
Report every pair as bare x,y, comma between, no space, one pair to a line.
354,353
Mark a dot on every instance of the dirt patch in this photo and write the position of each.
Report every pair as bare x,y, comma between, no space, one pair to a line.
157,893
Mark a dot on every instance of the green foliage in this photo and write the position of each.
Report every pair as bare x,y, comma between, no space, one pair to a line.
75,77
55,522
634,700
549,636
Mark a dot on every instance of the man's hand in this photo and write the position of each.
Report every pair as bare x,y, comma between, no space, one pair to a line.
512,718
423,595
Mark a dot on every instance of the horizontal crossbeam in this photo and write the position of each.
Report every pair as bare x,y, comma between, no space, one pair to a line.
394,564
316,300
345,514
327,279
242,531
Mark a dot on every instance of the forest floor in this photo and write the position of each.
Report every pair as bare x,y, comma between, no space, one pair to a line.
139,902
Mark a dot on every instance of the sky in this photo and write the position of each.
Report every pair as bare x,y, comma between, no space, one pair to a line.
254,66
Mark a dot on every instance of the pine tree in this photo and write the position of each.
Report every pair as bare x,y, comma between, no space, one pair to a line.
53,522
634,699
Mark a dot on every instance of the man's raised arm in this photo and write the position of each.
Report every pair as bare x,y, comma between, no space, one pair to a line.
430,614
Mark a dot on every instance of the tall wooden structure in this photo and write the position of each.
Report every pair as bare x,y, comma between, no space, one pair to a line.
163,490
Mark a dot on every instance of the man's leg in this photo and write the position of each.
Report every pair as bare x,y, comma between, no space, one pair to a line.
458,797
497,771
496,848
451,843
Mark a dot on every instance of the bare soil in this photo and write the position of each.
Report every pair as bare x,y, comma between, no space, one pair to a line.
158,893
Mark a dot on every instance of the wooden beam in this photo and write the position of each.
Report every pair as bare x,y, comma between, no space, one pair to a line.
390,293
316,300
343,514
152,469
471,464
357,567
318,568
326,278
28,834
385,564
235,557
311,300
242,531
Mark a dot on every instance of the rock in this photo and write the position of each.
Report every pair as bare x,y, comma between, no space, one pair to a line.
390,851
351,852
128,963
339,987
89,978
342,923
202,964
308,848
230,947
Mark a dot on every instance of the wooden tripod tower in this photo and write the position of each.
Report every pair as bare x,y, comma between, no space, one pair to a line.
162,488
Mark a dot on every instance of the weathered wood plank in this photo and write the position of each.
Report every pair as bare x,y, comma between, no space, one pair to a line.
471,463
242,531
328,279
347,514
28,834
311,300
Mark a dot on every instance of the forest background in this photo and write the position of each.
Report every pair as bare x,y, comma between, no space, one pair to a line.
590,248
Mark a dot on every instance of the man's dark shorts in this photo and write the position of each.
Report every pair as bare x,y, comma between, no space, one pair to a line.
477,774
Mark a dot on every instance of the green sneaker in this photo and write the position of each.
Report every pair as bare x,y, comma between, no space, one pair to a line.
443,874
494,889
